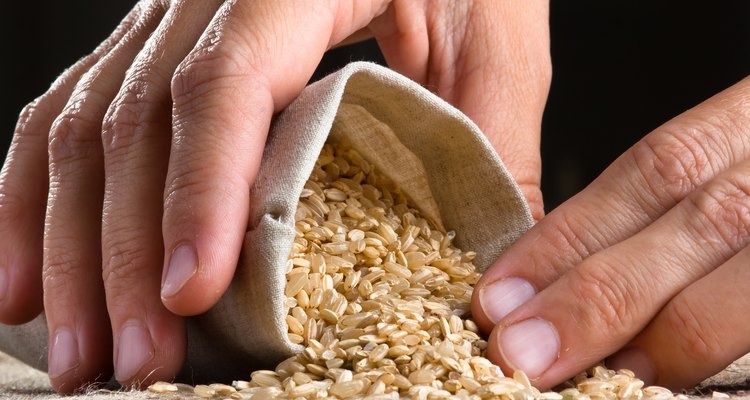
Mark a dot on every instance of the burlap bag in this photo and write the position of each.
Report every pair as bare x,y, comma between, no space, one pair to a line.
433,152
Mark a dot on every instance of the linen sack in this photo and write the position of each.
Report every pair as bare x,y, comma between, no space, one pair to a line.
433,152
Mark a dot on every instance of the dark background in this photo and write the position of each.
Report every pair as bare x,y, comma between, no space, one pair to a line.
621,68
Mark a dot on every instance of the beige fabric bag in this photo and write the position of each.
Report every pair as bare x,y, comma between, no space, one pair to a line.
433,152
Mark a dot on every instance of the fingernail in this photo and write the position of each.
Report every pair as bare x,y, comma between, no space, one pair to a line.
63,355
182,267
134,351
499,298
3,283
531,346
635,360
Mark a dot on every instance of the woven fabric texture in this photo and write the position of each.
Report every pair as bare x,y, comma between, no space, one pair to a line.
436,155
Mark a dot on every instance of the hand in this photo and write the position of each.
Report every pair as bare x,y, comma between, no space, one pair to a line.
647,266
126,184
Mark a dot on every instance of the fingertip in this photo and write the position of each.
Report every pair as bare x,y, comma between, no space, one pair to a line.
636,360
20,295
79,356
81,378
477,312
21,230
531,345
203,227
493,352
4,284
64,359
179,269
533,194
192,284
493,300
150,349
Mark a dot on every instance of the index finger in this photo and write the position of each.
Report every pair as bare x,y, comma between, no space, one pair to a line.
253,59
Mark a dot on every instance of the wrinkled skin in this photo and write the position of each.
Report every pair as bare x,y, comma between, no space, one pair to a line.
125,189
126,186
647,266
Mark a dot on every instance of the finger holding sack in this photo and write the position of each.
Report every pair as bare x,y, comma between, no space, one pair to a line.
253,59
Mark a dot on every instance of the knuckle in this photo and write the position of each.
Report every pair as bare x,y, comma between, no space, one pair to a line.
193,188
126,263
74,135
545,71
30,119
198,76
183,186
59,269
607,301
164,5
698,339
571,236
130,113
725,205
672,165
216,66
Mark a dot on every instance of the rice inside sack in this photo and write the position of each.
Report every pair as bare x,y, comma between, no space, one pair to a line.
380,299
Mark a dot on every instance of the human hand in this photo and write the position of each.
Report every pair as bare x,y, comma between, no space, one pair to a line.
139,158
647,266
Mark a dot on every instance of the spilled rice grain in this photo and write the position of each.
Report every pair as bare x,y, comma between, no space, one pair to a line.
380,299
